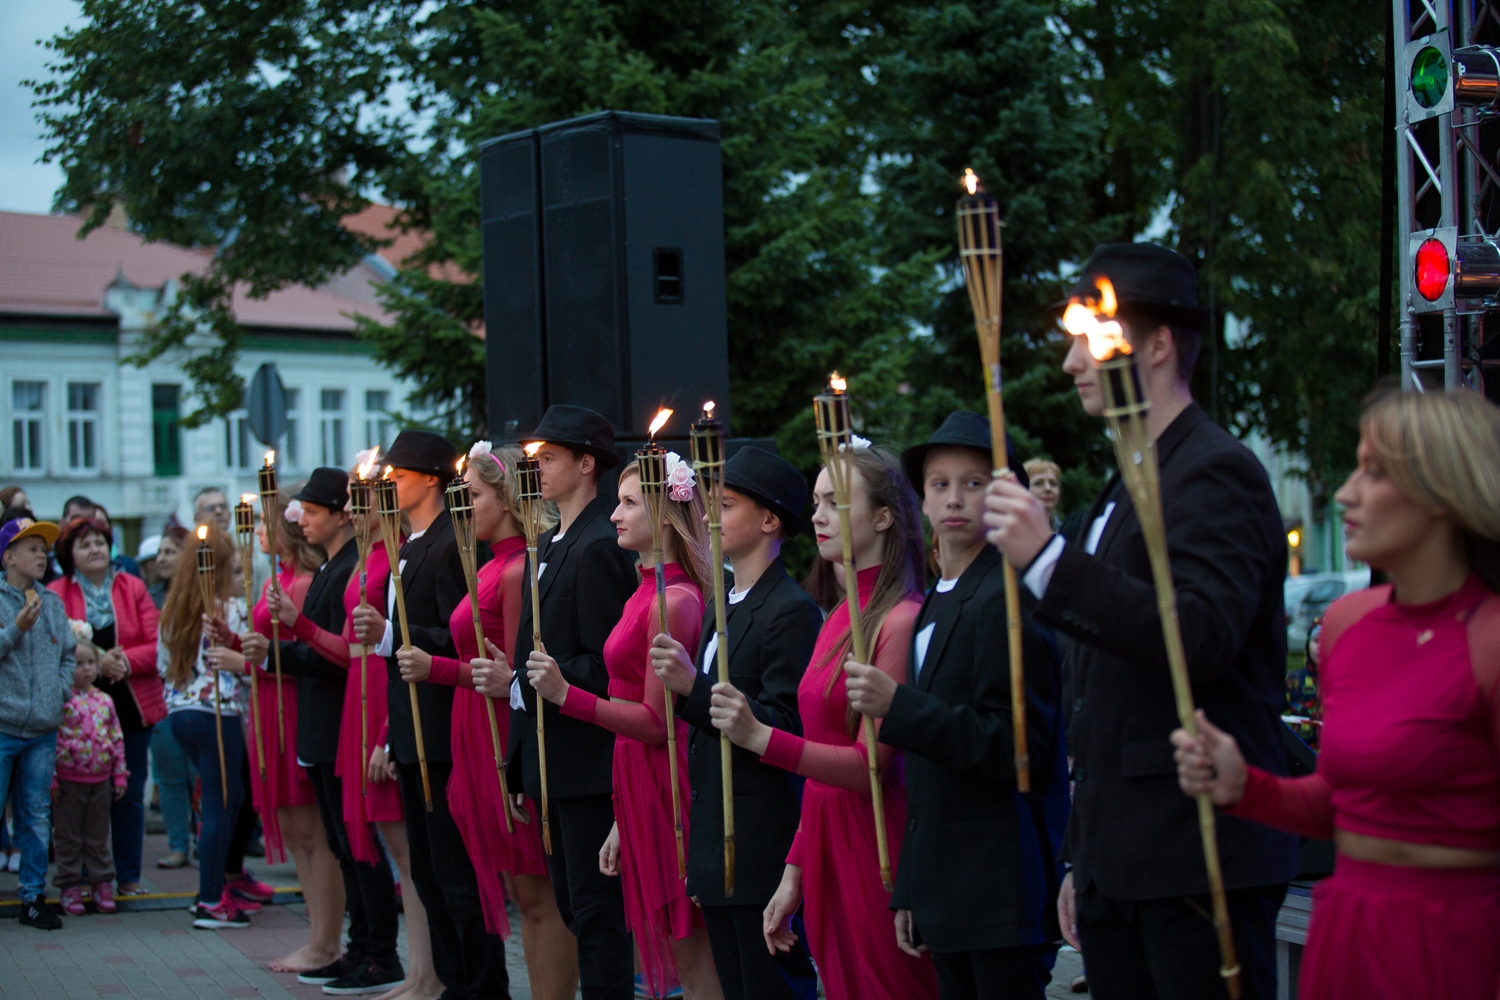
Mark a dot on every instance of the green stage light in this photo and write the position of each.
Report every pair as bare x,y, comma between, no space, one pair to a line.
1429,77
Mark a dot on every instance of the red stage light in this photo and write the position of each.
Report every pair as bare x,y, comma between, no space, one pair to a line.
1433,269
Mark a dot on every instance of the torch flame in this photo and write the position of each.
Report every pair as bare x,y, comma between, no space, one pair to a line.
838,383
708,410
388,470
459,465
971,180
368,465
662,416
202,532
532,448
270,459
1082,320
247,498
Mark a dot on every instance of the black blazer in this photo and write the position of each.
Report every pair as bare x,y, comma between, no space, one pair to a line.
1133,832
978,862
771,637
588,580
320,684
433,584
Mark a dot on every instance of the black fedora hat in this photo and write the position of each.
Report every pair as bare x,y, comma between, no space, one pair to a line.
961,429
580,428
326,487
423,451
770,481
1149,280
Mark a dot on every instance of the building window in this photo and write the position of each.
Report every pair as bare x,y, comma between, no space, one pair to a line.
377,419
332,427
28,405
293,429
166,430
83,426
239,443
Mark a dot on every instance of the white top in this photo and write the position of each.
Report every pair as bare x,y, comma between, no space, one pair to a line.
711,651
198,696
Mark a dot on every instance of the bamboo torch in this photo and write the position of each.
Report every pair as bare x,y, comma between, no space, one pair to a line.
529,495
244,539
390,532
208,586
835,442
1125,408
359,510
270,512
707,437
461,510
651,463
979,250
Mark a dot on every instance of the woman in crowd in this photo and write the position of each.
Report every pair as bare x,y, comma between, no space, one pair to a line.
1046,485
506,862
1408,780
163,563
669,930
170,770
833,869
124,619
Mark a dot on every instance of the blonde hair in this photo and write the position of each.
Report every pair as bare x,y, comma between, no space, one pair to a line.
686,521
497,470
1035,465
1442,450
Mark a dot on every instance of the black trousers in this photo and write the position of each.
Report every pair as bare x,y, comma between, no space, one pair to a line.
244,824
746,969
592,904
992,974
1166,949
369,890
470,961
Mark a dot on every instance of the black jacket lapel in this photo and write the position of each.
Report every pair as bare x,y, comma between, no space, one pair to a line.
950,612
558,554
768,582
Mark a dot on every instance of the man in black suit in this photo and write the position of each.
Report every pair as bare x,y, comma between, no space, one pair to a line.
977,873
469,961
773,626
1136,899
370,963
585,580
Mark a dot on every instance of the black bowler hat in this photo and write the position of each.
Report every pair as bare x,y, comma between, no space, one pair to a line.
423,451
770,481
580,428
1149,280
325,487
962,429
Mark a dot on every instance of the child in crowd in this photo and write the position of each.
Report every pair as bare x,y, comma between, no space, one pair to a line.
90,775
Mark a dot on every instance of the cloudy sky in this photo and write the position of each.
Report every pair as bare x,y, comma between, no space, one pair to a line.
26,185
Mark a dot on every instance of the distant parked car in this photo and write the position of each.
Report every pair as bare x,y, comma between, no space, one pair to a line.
1308,596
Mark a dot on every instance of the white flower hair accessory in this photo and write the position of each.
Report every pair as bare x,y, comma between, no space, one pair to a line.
680,478
484,449
856,442
365,457
82,630
293,512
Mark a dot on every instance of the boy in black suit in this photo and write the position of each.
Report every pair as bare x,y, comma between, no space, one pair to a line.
977,873
1136,899
772,626
585,579
469,960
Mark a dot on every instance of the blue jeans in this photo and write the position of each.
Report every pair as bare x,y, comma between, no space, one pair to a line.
195,731
30,761
174,775
127,816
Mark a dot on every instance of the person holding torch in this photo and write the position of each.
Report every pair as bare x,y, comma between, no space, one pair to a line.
1137,900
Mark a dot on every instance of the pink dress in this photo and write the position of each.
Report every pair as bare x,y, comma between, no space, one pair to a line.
845,908
365,802
1410,752
474,795
285,782
657,907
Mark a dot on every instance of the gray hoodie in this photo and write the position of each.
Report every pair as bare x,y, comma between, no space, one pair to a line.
36,667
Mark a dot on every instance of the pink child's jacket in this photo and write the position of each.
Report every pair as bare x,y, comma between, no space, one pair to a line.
90,744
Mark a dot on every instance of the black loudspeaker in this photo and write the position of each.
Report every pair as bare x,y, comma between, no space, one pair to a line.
604,272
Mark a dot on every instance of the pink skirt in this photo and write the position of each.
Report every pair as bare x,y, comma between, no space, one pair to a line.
657,907
285,782
365,802
1383,932
478,808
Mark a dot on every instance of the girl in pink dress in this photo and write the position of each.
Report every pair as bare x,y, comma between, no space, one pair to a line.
1408,778
833,869
504,861
668,928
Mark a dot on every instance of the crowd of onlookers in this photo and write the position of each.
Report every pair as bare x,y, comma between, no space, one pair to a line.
81,702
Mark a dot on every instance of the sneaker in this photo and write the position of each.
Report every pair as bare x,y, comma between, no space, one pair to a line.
36,913
247,886
14,864
223,915
176,859
341,966
72,901
104,897
367,978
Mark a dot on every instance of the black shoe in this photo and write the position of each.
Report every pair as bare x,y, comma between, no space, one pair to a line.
341,966
368,978
36,913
